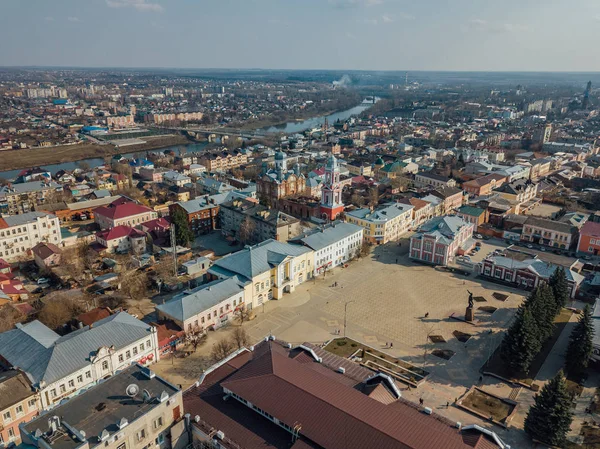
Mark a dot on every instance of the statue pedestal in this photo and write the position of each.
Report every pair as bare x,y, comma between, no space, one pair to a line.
469,314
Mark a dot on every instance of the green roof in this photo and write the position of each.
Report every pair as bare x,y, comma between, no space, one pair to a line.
470,210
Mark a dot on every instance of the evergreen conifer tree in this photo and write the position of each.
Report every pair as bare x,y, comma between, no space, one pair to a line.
560,287
580,346
549,418
521,343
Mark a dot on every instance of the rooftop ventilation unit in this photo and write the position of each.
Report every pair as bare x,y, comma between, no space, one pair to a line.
341,370
122,423
220,435
428,410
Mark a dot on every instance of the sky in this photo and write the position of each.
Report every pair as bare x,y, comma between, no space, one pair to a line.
462,35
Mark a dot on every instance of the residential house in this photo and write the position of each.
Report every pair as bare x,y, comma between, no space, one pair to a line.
452,198
360,168
61,366
173,178
525,271
11,288
211,186
100,418
540,168
484,185
19,403
46,255
589,239
551,233
384,224
209,306
267,270
250,222
522,193
429,179
122,240
421,212
20,233
123,212
333,245
440,239
474,215
152,174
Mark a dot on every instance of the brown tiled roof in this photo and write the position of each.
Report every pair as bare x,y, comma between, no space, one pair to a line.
94,315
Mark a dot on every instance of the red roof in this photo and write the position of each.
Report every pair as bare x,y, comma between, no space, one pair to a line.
4,264
123,210
45,250
97,314
332,413
158,224
118,232
590,228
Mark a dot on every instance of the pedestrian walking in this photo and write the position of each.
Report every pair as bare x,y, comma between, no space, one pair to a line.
427,315
447,404
391,345
421,401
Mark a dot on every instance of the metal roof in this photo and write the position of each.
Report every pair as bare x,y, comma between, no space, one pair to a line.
46,356
186,306
322,238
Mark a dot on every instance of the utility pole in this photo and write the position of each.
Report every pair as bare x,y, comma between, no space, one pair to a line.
174,248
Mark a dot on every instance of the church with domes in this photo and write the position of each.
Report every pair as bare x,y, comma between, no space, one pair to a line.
275,184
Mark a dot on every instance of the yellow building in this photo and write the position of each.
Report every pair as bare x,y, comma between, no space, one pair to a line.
385,224
267,270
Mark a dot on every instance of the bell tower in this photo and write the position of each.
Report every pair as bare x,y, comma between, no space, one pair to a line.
331,193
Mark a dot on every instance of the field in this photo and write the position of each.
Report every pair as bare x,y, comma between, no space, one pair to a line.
15,159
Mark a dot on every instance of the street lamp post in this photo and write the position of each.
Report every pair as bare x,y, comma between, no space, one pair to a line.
345,314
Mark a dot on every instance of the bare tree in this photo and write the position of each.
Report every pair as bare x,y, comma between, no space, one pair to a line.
243,315
221,349
240,337
246,231
134,285
357,199
196,337
365,249
373,196
59,311
8,317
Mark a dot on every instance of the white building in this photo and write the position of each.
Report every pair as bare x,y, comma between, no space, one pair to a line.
209,306
173,178
60,367
20,233
385,224
333,245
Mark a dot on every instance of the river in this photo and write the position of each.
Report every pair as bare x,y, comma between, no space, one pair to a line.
295,127
289,127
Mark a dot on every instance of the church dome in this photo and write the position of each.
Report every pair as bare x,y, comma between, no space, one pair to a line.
332,162
379,162
279,156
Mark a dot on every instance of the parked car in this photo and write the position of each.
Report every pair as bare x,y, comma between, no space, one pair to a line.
530,246
41,281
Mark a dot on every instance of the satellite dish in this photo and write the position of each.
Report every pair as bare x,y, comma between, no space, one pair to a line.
132,390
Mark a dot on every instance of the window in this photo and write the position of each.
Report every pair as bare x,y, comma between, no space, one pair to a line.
160,439
53,392
221,310
148,344
158,422
63,389
128,354
88,375
135,351
202,320
142,347
120,358
105,365
31,404
79,379
11,433
19,410
72,383
7,416
140,435
121,446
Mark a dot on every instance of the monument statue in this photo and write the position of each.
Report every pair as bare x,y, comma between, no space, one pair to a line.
469,314
470,299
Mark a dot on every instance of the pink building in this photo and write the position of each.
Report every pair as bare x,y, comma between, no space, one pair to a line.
440,239
123,213
18,404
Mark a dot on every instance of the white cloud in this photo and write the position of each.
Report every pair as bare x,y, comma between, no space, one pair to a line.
73,19
386,19
140,5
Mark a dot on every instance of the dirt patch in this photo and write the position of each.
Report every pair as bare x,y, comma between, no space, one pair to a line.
445,354
437,339
488,309
500,296
461,336
488,405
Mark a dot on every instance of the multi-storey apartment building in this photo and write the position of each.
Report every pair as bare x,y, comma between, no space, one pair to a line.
254,223
25,197
424,179
385,224
549,233
440,239
134,409
120,121
223,160
159,119
61,366
20,233
589,239
202,214
18,404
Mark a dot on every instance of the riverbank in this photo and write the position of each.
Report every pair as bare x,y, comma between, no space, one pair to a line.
19,159
266,123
